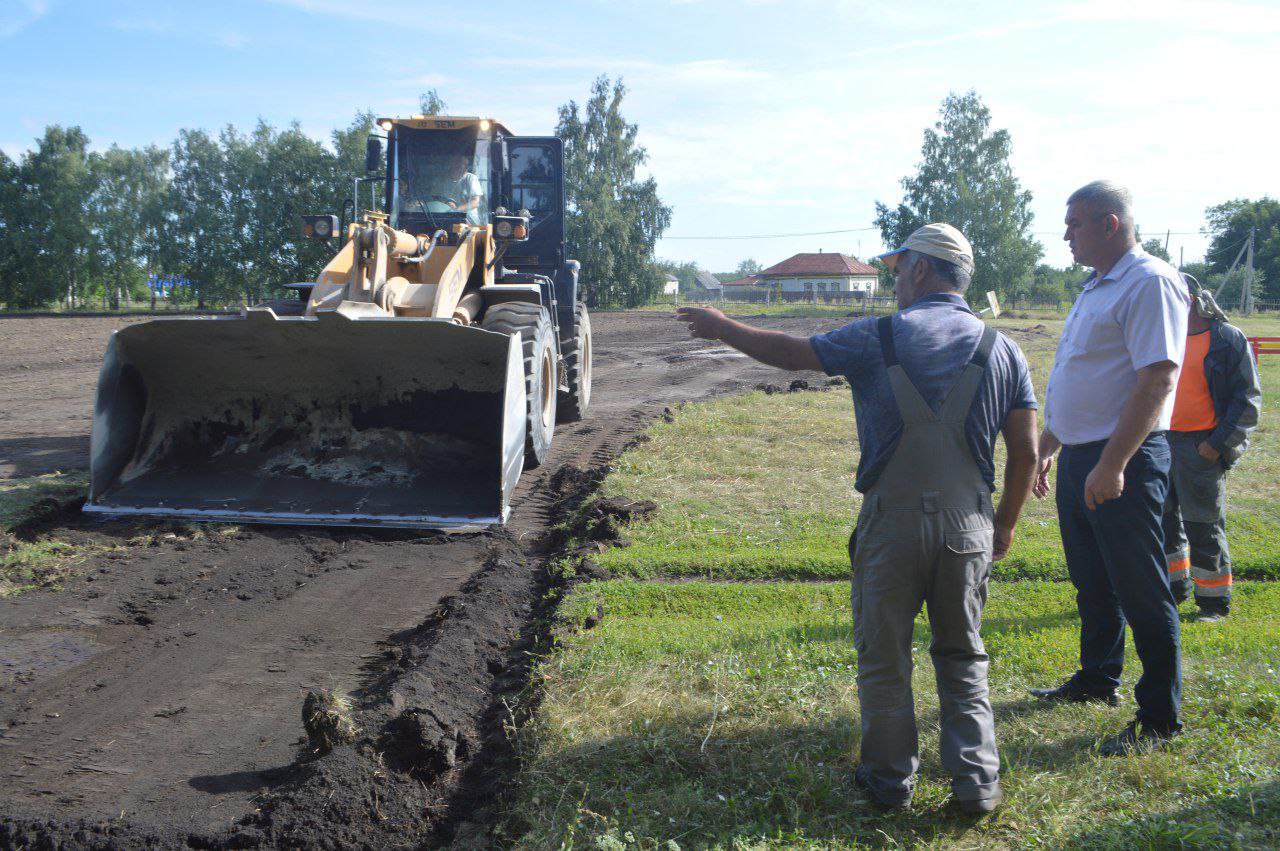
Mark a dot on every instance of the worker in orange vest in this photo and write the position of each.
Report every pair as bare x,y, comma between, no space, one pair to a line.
1216,405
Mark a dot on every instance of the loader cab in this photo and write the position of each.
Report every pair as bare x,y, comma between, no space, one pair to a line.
441,172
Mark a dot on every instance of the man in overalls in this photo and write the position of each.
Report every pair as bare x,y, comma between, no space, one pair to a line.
932,386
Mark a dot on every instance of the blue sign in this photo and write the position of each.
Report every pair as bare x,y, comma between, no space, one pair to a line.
164,285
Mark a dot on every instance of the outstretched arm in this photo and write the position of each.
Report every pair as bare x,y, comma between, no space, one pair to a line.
771,347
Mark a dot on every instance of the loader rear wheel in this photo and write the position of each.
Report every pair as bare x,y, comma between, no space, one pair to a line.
537,345
577,367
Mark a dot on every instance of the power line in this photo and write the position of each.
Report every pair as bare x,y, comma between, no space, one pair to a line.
1227,248
777,235
873,227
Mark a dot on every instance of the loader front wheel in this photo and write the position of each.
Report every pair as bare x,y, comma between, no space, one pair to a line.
577,368
537,346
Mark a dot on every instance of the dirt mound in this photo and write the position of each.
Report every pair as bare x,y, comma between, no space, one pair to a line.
800,385
433,716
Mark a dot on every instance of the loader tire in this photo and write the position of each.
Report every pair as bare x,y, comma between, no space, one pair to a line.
577,367
537,345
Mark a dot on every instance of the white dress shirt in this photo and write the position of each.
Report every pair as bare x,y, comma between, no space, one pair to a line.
1132,317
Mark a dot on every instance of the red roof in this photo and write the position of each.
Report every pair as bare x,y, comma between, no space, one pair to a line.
820,264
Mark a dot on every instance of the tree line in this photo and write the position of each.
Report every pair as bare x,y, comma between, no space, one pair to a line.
84,228
80,227
221,210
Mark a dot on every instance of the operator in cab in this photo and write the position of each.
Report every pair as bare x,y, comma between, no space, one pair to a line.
462,188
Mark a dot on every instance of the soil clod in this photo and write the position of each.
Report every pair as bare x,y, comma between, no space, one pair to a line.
326,716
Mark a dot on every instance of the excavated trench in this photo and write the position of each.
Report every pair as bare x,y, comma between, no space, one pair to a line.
155,699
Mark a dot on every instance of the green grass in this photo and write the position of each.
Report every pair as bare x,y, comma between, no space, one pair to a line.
26,564
724,715
761,486
19,496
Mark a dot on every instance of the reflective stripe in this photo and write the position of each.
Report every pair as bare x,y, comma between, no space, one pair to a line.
1180,565
1217,582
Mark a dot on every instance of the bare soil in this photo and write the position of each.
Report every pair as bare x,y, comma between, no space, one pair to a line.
155,700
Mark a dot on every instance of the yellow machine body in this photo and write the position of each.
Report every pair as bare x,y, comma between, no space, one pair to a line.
384,403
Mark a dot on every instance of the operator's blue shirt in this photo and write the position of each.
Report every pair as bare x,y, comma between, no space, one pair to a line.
935,337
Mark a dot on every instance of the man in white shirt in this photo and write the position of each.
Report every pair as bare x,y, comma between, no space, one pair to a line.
1108,405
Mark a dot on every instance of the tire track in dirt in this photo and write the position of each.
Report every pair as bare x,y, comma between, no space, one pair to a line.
157,698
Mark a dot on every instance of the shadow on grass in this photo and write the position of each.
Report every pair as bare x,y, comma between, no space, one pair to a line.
35,456
777,782
843,632
1247,817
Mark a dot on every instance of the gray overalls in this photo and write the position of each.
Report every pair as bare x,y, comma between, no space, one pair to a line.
924,535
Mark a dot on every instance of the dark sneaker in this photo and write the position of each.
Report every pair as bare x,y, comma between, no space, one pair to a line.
1210,616
862,779
982,806
1071,692
1132,740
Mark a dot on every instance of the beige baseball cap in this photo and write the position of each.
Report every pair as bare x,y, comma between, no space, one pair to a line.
937,240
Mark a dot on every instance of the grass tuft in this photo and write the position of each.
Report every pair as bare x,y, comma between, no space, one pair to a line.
27,563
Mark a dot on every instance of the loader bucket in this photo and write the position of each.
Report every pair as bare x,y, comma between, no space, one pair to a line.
326,420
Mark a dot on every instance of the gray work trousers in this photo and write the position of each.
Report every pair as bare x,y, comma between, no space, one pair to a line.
1195,517
903,558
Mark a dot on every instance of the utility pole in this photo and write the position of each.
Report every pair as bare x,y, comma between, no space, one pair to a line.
1181,248
1167,234
1246,292
1227,277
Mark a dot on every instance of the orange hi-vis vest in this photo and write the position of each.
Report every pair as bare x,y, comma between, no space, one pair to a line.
1192,404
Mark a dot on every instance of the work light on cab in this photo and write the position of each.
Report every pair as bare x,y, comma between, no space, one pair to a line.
322,228
513,228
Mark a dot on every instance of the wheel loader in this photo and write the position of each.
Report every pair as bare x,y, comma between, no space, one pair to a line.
407,386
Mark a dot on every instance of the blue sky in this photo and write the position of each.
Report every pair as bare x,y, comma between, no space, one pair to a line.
759,117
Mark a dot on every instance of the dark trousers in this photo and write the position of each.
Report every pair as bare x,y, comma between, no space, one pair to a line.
1115,555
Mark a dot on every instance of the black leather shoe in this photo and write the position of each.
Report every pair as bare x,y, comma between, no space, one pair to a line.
1071,692
1132,740
861,778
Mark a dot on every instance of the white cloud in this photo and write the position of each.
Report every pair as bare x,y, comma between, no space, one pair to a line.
697,72
425,81
230,39
402,15
167,26
17,15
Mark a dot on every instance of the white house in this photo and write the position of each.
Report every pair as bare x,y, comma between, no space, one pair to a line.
821,272
670,285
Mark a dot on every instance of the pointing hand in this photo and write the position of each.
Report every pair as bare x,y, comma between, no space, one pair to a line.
703,322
